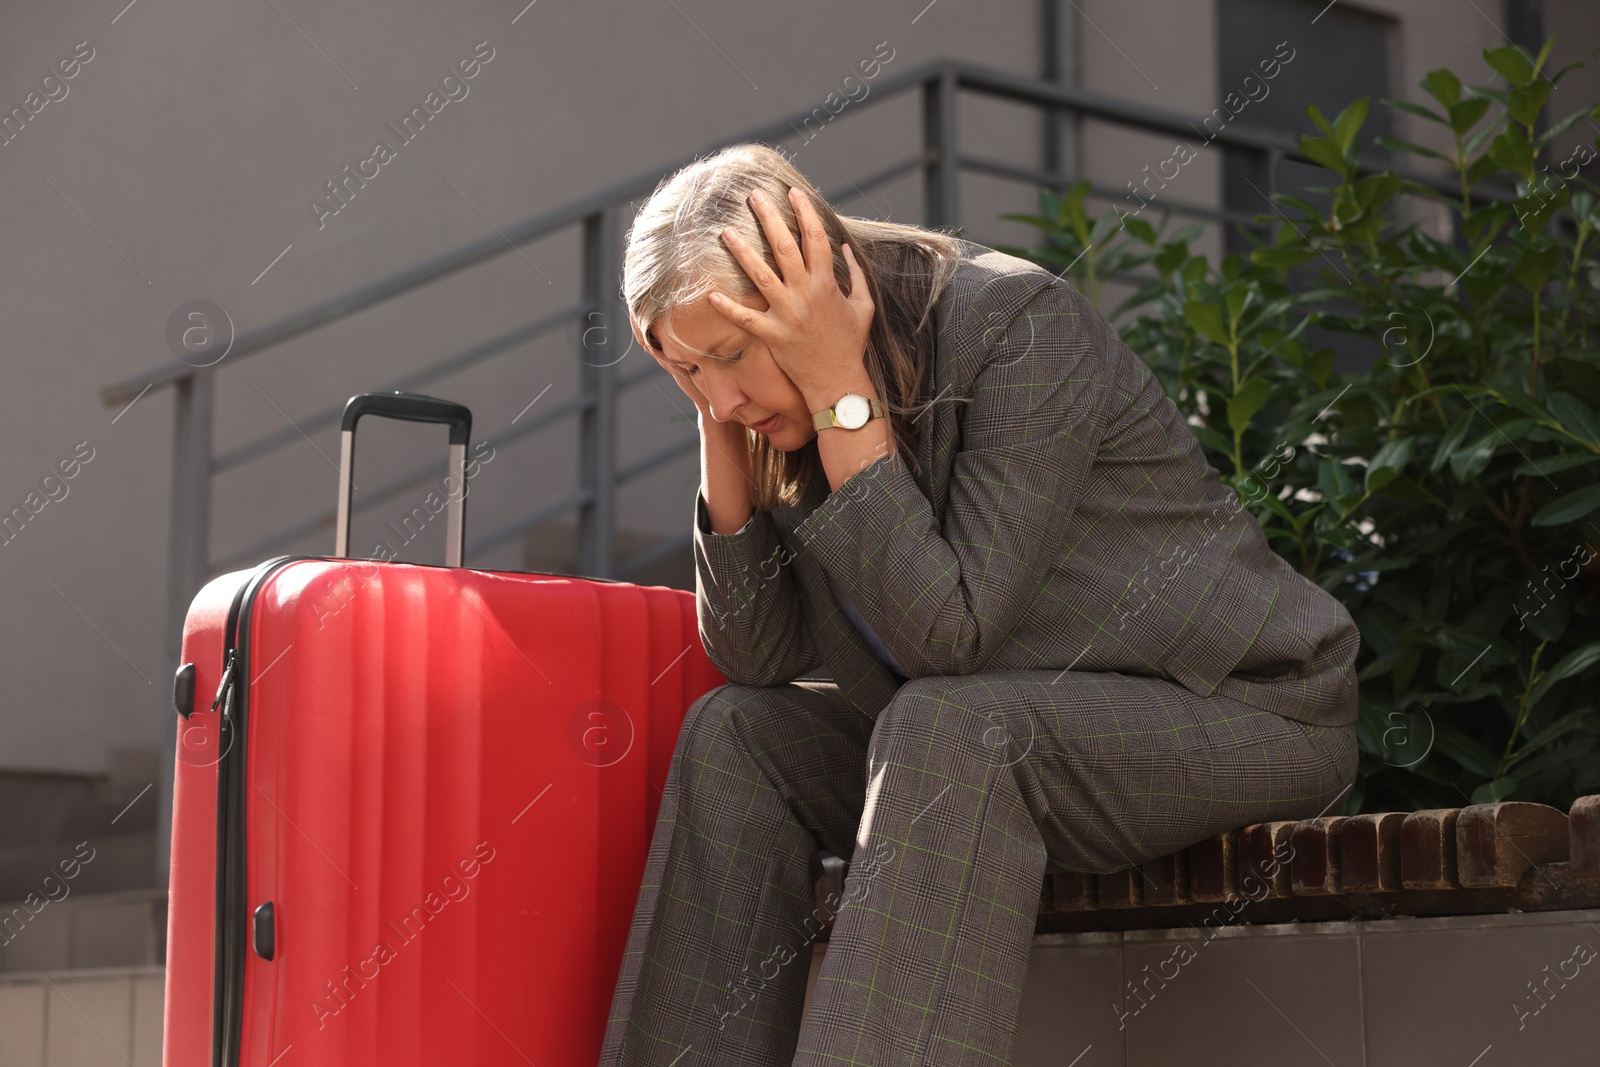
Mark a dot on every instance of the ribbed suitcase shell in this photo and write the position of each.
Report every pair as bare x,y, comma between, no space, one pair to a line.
425,770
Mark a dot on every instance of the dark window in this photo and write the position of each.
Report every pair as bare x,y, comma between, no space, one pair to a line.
1340,53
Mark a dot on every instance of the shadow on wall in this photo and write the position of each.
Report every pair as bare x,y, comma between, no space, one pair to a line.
52,816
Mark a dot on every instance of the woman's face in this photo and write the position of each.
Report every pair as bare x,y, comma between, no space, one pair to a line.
750,388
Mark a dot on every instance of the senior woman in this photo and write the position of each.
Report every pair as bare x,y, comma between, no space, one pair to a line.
1055,639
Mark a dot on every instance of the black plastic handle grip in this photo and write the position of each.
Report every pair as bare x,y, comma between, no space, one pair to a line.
413,407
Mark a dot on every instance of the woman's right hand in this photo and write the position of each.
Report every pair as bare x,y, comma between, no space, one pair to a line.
702,405
689,390
724,457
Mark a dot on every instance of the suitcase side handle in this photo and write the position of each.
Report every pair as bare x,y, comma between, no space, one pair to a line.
412,407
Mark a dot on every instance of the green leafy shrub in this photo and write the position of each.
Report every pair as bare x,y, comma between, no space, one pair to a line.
1449,496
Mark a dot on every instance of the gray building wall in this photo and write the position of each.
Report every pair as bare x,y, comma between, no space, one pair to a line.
180,165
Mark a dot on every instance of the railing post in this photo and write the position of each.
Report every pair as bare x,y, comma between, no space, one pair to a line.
1063,129
187,565
940,201
604,336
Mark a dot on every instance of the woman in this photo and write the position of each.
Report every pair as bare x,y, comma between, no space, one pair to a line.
1055,639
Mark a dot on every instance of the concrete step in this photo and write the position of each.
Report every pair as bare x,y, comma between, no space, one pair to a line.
83,930
82,1018
94,863
1399,992
47,805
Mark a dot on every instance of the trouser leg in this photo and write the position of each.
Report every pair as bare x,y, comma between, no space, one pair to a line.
927,958
715,967
979,783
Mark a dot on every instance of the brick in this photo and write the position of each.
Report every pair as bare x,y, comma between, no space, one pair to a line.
1213,868
1314,866
1428,849
1496,843
1369,852
1264,860
1122,889
1166,879
1583,826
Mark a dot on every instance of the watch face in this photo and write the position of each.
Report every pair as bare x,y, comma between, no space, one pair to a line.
852,411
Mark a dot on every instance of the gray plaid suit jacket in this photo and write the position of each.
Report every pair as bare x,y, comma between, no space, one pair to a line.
1064,517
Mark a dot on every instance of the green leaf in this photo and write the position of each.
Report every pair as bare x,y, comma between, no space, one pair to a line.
1465,115
1463,750
1511,64
1170,258
1553,732
1349,123
1320,150
1545,465
1567,508
1406,146
1246,402
1495,791
1320,366
1484,92
1524,403
1237,300
1443,86
1282,258
1333,479
1315,114
1305,207
1206,319
1534,211
1140,229
1389,462
1575,662
1512,151
1212,440
1451,441
1278,508
1560,126
1527,101
1032,220
1476,140
1415,109
1533,268
1469,461
1576,416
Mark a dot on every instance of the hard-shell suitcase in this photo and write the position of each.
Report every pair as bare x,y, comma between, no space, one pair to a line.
413,803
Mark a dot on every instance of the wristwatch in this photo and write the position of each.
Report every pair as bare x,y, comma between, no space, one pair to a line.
850,412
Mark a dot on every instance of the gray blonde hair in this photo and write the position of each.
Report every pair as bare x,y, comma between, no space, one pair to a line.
676,256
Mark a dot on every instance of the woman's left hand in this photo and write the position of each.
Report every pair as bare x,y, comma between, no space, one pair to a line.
816,334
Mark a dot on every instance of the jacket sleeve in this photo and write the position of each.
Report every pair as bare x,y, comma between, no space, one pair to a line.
944,595
747,604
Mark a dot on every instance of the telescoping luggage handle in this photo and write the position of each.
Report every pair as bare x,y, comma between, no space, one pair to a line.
413,407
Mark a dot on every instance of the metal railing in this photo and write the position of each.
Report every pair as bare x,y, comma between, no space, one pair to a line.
940,165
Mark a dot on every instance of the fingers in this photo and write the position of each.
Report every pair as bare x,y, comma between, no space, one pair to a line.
686,385
818,252
858,279
770,284
784,250
746,318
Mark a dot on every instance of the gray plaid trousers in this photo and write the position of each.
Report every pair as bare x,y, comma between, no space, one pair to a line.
951,806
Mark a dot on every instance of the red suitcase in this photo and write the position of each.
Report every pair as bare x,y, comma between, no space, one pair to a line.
412,803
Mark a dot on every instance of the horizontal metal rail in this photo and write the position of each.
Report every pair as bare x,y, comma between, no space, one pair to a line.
599,216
